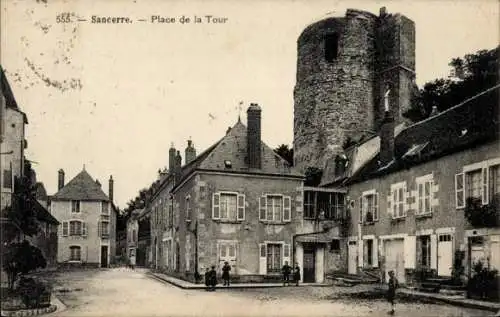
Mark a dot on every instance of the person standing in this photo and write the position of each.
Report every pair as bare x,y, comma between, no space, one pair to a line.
207,279
225,273
286,269
391,292
296,274
132,261
213,278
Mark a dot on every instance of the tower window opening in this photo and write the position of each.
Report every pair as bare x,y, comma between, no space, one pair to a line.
331,46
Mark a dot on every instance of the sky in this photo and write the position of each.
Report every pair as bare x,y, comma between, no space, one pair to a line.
113,97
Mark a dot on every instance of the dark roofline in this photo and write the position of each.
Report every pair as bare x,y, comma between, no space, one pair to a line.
10,100
46,215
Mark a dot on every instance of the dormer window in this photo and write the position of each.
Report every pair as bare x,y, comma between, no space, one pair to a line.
228,164
331,46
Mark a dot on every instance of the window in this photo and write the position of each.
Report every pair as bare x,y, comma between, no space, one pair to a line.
228,206
274,258
275,208
331,47
335,245
398,200
369,207
369,252
77,228
75,253
424,194
104,207
329,205
228,164
7,178
309,210
425,251
104,229
481,182
170,220
188,209
75,206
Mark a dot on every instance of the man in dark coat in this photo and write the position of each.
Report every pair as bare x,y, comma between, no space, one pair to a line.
213,278
225,273
391,292
296,274
286,270
207,279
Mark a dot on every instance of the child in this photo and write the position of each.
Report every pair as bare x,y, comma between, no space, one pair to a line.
296,274
286,273
207,279
391,293
225,273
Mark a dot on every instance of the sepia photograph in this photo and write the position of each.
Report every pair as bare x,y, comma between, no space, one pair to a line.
249,158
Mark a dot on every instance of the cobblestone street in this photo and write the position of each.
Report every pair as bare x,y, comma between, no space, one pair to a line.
122,292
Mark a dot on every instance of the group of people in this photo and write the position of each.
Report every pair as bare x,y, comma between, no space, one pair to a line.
211,277
287,271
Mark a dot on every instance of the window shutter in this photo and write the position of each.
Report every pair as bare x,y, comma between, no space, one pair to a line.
431,193
360,204
405,200
409,246
286,253
99,228
360,253
287,208
262,207
433,251
389,204
460,190
241,206
484,189
262,258
65,228
375,252
84,229
216,206
395,202
375,207
420,198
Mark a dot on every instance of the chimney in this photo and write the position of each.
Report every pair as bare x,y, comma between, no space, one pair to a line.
97,182
253,136
177,166
190,153
60,183
387,139
171,158
110,188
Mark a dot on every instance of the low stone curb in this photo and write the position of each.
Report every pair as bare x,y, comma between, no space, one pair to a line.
457,301
29,312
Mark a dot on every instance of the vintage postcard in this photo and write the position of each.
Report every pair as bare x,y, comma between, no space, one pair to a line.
249,158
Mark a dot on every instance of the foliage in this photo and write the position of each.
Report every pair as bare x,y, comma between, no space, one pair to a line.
479,215
34,293
22,211
484,283
285,152
313,176
470,75
21,258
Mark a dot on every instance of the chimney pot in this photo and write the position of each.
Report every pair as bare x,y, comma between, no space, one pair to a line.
254,136
110,188
190,152
171,157
60,183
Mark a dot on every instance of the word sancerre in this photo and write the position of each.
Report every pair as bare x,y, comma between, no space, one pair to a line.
110,20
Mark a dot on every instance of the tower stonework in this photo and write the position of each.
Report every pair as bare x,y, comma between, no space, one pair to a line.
344,67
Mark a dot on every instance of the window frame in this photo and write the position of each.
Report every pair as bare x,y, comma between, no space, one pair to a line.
421,196
74,209
75,247
364,206
188,208
285,216
239,206
402,201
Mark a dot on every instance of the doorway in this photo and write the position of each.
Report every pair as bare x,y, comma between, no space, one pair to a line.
352,260
309,264
104,256
445,255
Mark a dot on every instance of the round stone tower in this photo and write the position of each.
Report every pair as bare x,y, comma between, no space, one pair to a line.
338,84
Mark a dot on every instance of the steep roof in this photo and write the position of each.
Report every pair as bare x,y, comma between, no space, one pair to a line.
466,125
43,215
233,147
6,91
81,187
40,192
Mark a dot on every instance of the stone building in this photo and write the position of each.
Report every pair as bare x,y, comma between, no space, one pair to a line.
238,201
409,194
344,67
87,234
